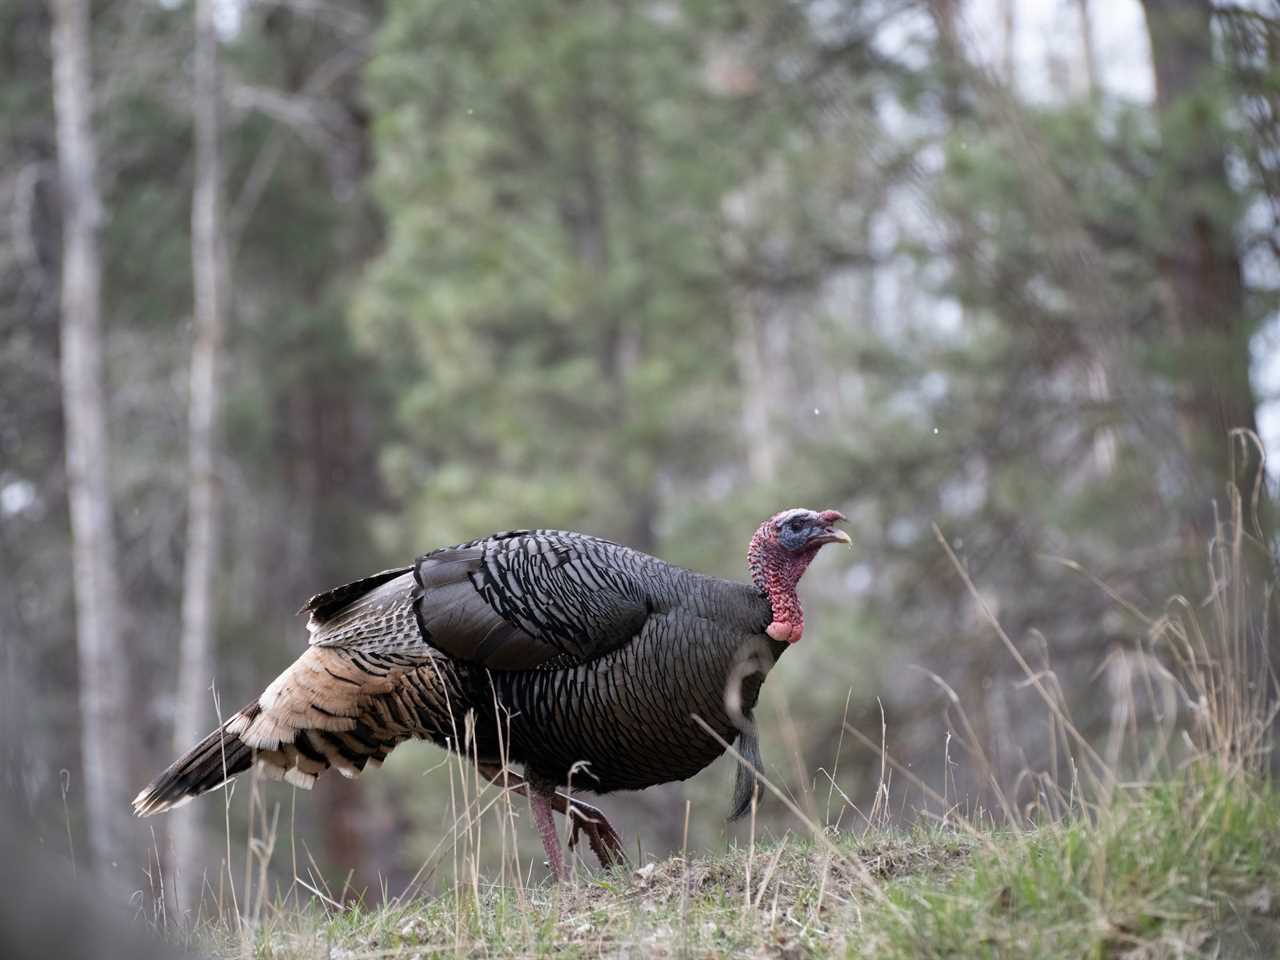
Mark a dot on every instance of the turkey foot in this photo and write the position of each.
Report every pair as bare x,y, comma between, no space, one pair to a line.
605,841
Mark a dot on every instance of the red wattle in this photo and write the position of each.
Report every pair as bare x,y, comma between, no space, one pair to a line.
775,572
784,632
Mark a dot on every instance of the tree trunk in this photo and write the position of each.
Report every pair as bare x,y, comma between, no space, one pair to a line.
194,713
1204,294
1009,42
1089,51
17,683
106,737
946,15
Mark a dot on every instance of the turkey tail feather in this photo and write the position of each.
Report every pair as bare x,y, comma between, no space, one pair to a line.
211,763
328,709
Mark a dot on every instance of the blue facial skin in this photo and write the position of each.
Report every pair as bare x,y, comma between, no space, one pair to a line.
795,532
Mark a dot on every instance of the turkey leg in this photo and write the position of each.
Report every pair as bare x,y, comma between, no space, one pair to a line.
546,824
605,841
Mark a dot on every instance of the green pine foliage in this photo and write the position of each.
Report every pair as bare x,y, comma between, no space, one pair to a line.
551,290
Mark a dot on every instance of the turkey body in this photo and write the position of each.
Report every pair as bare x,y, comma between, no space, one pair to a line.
582,660
618,652
626,718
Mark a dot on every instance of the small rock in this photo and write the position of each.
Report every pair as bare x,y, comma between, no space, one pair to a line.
415,930
1260,900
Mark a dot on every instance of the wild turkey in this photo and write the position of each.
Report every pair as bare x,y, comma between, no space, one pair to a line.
582,660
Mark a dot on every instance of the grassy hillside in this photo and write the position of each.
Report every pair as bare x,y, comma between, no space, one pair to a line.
1188,868
1167,846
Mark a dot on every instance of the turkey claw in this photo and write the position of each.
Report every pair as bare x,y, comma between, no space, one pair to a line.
605,841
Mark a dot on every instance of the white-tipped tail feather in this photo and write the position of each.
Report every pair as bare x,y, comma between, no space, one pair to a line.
307,720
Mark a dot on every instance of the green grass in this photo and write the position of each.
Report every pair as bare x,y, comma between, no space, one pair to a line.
1189,868
1180,869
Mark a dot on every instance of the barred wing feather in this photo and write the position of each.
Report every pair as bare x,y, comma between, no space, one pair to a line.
519,600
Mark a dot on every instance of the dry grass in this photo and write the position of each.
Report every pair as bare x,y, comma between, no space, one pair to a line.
802,901
1184,869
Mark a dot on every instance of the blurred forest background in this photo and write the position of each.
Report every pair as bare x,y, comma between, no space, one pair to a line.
293,290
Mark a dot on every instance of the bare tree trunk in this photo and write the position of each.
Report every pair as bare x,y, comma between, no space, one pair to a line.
1089,51
1009,42
194,714
1204,292
946,16
105,734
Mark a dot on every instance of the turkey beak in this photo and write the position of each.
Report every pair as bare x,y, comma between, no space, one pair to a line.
832,535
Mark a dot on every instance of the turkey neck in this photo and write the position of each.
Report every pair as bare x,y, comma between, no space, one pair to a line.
776,572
